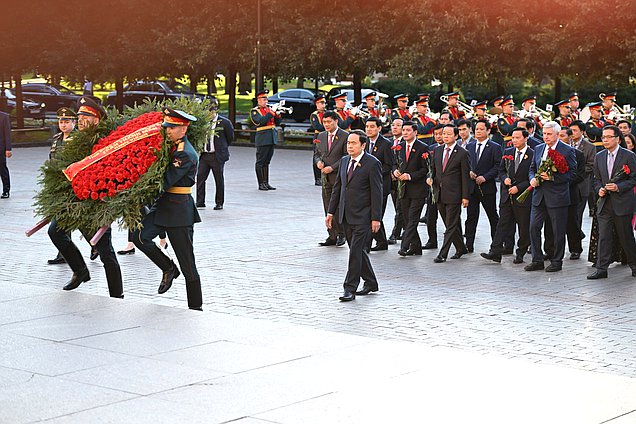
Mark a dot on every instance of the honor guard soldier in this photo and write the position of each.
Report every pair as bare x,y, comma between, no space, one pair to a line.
425,123
574,105
506,122
175,212
66,119
495,110
594,127
453,107
479,112
345,119
402,111
265,120
565,115
608,110
529,105
370,105
315,121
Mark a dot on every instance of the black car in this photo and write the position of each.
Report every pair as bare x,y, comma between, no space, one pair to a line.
53,96
300,99
350,95
31,109
136,92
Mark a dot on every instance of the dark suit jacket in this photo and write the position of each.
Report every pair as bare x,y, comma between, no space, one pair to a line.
556,193
224,136
452,184
358,201
331,157
416,167
487,165
382,152
579,177
589,151
5,132
519,178
623,199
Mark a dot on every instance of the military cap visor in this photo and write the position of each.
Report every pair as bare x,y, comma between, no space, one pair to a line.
594,105
371,94
66,113
563,103
340,96
401,96
262,93
527,99
89,107
176,118
423,101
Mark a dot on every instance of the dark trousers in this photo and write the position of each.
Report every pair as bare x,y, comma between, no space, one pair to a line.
411,212
573,231
359,263
489,203
509,216
131,236
208,162
264,155
62,240
398,221
380,236
431,221
4,173
181,239
317,173
608,220
557,217
451,215
336,228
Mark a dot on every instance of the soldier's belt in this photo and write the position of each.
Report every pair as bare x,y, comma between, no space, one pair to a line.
420,136
267,127
507,138
179,190
597,143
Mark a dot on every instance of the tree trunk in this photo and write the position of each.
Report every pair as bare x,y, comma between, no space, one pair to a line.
19,111
557,89
211,84
194,81
499,88
357,87
230,85
317,83
119,90
245,82
301,82
274,85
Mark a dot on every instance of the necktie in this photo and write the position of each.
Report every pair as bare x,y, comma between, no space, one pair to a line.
610,164
351,168
446,156
517,160
408,151
478,151
370,146
330,141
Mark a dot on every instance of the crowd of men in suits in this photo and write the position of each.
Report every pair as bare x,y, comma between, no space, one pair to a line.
449,162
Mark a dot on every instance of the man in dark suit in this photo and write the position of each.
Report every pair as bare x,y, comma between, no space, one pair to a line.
215,154
550,199
513,174
411,172
398,221
332,146
450,181
265,120
431,208
175,212
485,158
380,148
5,153
357,201
615,187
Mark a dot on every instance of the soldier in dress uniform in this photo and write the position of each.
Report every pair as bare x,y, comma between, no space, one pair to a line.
175,212
529,104
425,123
370,105
265,120
608,106
574,105
345,118
479,112
594,127
402,111
495,110
66,120
453,107
506,122
89,114
315,121
565,114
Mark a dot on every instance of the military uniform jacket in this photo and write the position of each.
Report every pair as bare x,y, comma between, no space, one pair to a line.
345,119
57,144
315,119
400,114
265,121
564,121
594,131
425,127
455,112
505,125
178,210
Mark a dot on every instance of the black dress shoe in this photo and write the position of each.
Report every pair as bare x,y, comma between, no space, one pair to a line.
574,255
58,260
366,290
553,268
492,256
318,182
218,207
328,242
168,276
533,266
599,273
94,254
200,205
391,240
458,255
347,297
77,279
414,252
340,241
469,249
402,252
4,195
378,247
197,309
517,260
429,246
126,252
439,260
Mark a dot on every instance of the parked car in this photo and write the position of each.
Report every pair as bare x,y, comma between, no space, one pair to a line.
300,99
53,96
31,109
350,95
136,92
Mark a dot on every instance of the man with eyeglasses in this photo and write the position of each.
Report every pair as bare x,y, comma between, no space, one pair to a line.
614,180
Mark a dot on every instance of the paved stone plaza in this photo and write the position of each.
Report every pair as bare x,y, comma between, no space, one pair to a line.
464,341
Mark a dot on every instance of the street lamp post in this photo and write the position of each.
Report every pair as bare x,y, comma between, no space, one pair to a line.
259,72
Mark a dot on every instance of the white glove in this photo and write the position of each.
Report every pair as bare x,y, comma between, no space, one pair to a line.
354,111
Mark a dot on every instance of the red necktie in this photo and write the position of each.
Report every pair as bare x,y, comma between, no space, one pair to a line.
330,141
408,151
446,156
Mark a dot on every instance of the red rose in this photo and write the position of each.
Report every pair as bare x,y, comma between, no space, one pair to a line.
397,147
316,141
626,170
425,155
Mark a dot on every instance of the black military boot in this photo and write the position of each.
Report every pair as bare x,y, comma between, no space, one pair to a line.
266,178
114,280
168,276
74,259
259,177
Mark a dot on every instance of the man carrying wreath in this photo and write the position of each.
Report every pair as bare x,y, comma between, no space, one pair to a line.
550,195
175,212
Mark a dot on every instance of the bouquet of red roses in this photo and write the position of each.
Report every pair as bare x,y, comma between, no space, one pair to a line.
552,164
398,157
